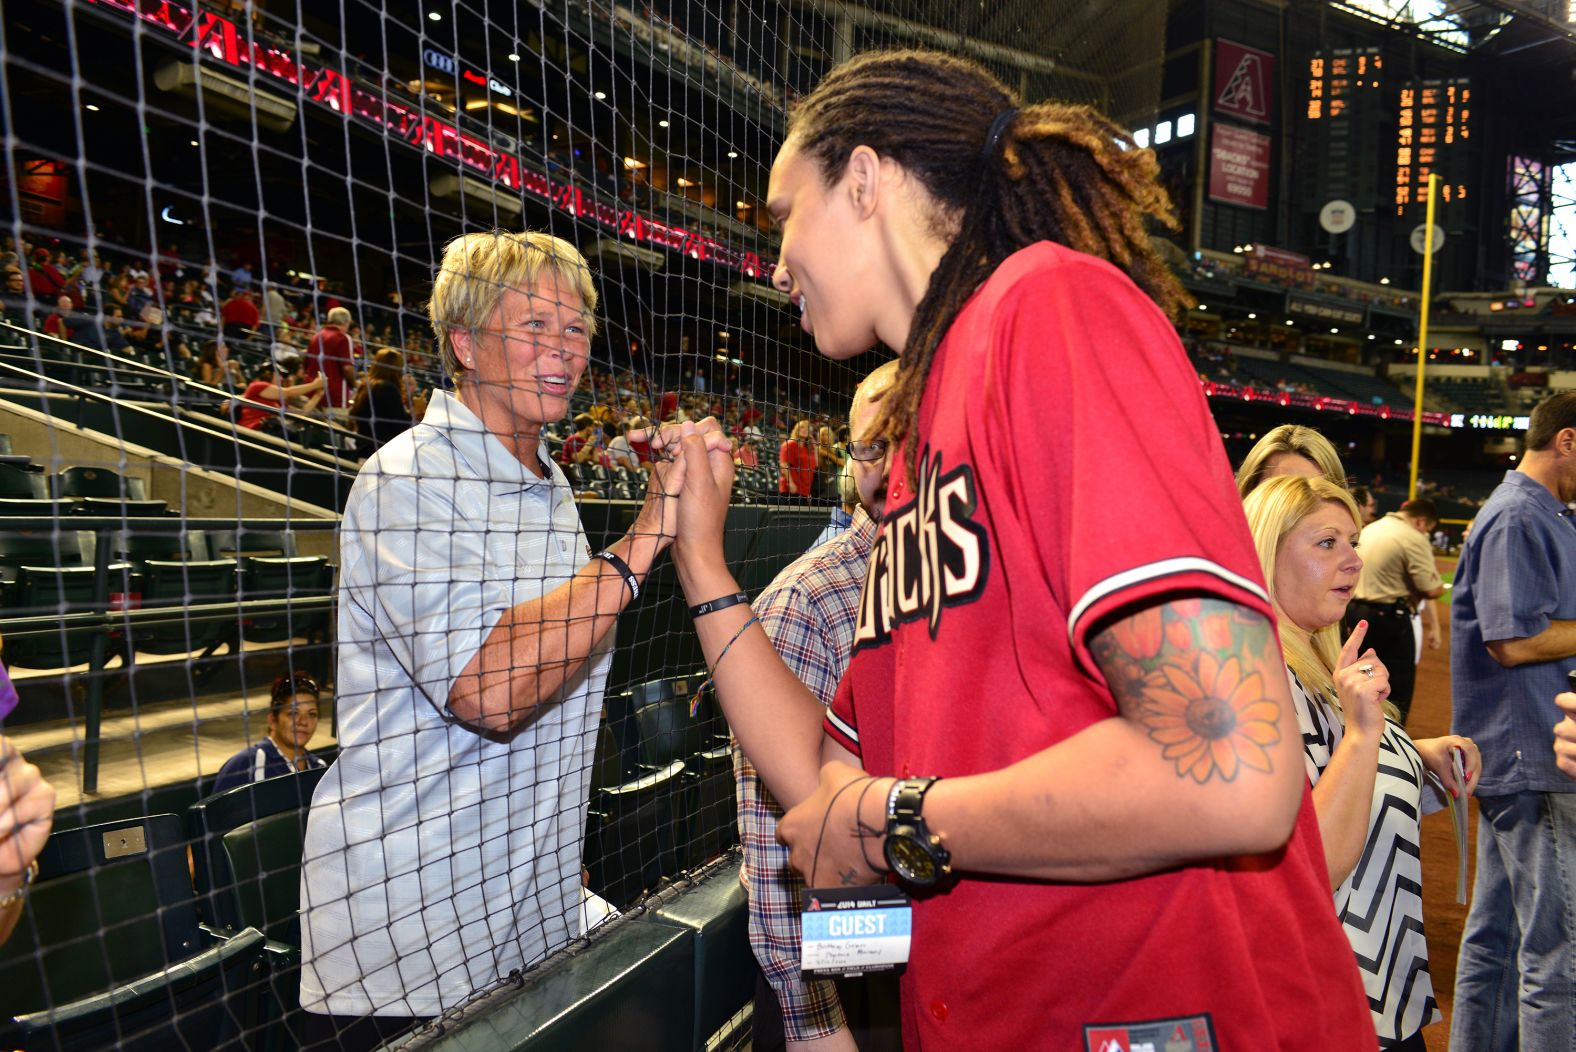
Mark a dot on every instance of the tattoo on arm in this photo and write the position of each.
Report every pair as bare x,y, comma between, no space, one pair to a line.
1191,673
849,876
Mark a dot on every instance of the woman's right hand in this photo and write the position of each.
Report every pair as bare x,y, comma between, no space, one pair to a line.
708,482
1362,683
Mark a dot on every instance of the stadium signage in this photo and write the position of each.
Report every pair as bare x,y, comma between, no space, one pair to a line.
222,41
1239,167
1306,306
1484,422
444,62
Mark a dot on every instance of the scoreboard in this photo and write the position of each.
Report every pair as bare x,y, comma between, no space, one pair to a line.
1345,99
1434,125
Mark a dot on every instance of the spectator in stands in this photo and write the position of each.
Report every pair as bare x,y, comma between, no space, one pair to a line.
276,393
213,366
1398,574
639,435
579,447
1369,778
241,277
443,848
808,613
380,411
275,309
797,459
47,279
1092,820
829,461
617,451
1367,504
332,354
58,322
1512,640
239,315
1290,449
292,721
745,455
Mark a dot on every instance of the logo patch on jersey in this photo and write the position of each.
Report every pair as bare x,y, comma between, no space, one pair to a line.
931,555
1189,1034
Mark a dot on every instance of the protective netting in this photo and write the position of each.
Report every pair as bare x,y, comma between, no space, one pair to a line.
223,226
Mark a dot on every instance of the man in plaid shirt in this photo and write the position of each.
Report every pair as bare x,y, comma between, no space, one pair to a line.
808,612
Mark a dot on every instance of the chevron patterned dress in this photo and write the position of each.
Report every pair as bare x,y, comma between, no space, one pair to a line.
1380,904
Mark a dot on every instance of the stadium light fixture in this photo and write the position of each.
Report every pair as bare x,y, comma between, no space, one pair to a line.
599,95
1398,343
1203,306
1290,322
662,124
1162,133
514,56
1185,125
1252,316
1141,138
1334,330
1371,336
733,155
91,108
1384,281
435,16
636,163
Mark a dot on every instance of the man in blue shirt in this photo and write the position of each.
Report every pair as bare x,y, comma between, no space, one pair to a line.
1512,638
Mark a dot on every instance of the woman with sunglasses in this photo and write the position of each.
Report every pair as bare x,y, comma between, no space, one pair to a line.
1066,726
292,720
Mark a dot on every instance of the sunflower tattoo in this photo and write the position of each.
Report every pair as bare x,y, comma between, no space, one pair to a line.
1177,671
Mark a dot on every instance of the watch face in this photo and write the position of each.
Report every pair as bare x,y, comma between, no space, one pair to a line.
909,859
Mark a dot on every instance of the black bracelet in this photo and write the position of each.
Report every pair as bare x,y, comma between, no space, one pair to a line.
711,607
624,571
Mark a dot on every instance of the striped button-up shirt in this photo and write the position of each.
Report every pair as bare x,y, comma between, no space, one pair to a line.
808,612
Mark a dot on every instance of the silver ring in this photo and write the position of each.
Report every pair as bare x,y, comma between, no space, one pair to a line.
1367,670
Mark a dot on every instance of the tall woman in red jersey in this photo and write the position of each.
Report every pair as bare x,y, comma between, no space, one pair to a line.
1066,727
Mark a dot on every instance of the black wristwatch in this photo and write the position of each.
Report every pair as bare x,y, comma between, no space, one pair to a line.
912,851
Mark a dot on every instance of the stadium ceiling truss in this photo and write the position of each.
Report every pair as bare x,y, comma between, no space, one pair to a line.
1466,26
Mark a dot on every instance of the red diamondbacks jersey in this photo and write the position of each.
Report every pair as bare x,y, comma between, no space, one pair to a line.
1070,468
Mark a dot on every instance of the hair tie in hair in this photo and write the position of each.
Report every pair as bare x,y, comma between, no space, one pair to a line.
992,137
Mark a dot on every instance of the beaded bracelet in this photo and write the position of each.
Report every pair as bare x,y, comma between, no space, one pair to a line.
695,701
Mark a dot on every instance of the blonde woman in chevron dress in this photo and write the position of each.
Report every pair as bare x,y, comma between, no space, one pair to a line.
1371,782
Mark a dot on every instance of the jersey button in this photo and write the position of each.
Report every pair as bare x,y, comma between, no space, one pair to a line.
939,1010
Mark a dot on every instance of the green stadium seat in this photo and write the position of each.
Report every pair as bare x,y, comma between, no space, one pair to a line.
284,577
91,482
224,897
233,544
119,507
29,507
56,590
177,585
714,807
629,843
246,855
17,484
109,951
19,548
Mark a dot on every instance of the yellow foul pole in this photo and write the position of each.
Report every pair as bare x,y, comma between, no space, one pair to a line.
1422,331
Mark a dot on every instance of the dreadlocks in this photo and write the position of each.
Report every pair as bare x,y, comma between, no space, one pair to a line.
1060,172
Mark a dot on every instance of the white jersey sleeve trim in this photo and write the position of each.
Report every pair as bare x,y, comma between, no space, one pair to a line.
1149,572
842,726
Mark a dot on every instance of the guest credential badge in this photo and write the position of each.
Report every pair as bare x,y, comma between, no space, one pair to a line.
854,931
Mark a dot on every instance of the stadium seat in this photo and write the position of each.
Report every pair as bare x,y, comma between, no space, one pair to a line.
109,952
91,482
714,808
229,898
629,834
17,484
666,730
119,507
284,577
56,590
233,544
139,547
177,585
31,507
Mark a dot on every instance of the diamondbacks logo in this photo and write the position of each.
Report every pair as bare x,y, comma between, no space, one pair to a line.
931,555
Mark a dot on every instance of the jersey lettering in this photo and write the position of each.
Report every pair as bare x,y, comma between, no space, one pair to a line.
931,555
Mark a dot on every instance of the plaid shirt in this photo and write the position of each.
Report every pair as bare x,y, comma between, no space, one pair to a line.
808,613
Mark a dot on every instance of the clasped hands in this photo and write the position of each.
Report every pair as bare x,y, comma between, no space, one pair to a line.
690,482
